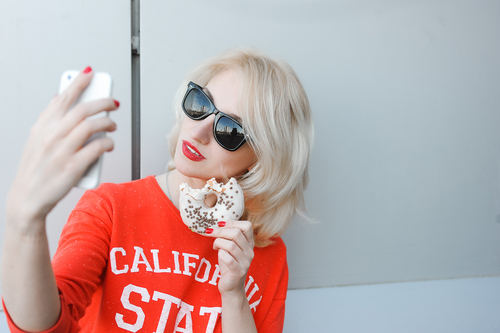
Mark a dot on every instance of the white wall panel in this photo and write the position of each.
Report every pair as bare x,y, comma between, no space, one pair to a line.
405,168
38,41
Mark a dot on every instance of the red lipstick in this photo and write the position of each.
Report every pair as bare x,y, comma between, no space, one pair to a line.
191,152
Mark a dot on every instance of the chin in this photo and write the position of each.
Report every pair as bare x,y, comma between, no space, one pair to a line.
191,171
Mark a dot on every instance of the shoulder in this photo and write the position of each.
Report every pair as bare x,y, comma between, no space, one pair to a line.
127,186
270,268
275,252
108,194
277,245
123,189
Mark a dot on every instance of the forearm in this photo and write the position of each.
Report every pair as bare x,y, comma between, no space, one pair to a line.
53,160
236,314
28,283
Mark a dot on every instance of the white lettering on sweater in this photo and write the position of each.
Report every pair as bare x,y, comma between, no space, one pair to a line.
214,313
199,269
188,264
206,273
157,263
112,259
169,300
137,309
191,265
185,312
140,258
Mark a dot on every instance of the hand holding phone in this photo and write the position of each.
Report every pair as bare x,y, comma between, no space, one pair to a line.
99,87
52,161
54,157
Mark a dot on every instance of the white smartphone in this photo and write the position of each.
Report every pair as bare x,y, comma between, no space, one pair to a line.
99,87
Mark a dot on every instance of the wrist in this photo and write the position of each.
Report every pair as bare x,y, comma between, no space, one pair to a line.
236,312
25,222
25,202
234,296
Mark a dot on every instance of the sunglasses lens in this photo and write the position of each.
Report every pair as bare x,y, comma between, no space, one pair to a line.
229,134
196,105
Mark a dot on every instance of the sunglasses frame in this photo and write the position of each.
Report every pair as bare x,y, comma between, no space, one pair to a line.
213,110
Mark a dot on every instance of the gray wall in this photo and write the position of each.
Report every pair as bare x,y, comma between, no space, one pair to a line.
405,169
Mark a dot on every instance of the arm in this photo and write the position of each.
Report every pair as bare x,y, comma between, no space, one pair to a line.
235,243
237,316
29,288
52,162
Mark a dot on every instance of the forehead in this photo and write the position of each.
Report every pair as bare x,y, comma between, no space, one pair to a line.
224,90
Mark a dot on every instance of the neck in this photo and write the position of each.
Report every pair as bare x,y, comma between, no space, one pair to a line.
175,179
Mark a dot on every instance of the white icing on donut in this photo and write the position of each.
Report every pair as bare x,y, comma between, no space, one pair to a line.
198,216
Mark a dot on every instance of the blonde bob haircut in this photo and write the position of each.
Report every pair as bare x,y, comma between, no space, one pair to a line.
277,117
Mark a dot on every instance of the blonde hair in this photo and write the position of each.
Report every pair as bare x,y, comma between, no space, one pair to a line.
276,115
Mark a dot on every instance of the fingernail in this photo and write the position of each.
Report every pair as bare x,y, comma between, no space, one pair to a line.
221,224
116,103
209,231
87,70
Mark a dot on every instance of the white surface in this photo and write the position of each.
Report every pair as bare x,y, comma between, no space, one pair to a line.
405,169
447,306
39,41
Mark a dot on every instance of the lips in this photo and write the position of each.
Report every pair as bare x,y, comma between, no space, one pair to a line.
191,152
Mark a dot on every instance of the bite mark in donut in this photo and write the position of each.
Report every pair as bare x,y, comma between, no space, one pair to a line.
230,204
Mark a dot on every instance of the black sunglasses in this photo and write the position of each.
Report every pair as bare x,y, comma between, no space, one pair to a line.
228,132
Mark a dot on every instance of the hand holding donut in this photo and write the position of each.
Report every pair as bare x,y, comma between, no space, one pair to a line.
235,243
53,158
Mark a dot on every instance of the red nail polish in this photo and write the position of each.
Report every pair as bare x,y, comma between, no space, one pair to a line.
116,103
221,224
87,70
209,231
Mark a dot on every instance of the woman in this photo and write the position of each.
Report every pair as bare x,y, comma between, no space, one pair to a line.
126,261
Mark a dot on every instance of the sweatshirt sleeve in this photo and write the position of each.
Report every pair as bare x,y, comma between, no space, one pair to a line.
80,259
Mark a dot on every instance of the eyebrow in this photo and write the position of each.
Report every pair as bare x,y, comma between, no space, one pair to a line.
209,94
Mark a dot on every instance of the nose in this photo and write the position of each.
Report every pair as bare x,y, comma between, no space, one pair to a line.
202,131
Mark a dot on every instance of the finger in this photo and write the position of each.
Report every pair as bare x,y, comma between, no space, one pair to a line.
233,235
88,154
243,256
85,129
234,251
84,110
229,246
46,114
244,226
68,96
227,259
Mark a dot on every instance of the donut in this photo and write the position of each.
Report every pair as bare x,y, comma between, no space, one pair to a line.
198,216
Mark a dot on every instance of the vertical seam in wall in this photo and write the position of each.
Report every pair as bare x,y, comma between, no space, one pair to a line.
136,88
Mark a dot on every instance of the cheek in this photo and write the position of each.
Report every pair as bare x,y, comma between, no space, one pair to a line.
183,127
243,160
178,149
182,135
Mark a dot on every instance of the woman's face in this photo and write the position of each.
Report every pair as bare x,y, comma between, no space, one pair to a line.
198,155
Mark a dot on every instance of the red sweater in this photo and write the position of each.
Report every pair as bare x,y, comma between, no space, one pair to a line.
127,262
